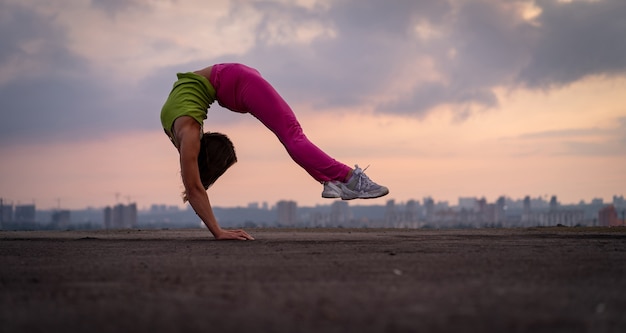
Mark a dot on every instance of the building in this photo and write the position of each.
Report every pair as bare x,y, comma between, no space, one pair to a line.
429,208
411,212
607,217
340,213
554,215
120,216
60,219
6,213
287,213
467,203
25,214
391,213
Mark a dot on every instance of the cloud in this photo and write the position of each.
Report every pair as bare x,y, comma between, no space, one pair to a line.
114,7
108,65
590,141
574,40
358,53
41,87
454,53
31,45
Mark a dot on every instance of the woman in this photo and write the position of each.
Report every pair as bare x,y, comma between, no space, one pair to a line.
240,88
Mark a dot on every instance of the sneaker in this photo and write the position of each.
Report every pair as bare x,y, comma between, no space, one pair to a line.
331,190
360,186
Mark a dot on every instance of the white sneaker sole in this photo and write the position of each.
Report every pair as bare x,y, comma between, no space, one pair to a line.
348,194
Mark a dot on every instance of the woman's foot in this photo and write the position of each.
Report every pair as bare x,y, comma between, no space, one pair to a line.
359,186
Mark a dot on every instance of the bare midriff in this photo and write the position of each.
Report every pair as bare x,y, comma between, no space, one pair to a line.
206,72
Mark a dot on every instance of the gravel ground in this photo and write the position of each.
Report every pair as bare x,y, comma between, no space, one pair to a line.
315,280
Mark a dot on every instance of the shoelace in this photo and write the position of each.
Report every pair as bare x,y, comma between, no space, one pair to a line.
363,181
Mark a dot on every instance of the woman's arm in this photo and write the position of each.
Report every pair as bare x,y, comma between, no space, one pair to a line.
187,133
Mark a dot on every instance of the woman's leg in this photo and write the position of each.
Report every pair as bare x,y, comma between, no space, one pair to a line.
255,95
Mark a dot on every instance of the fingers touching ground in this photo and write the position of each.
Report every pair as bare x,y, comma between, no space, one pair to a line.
234,235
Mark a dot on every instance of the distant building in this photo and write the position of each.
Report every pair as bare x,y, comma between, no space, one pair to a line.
287,212
467,203
340,213
318,219
429,208
160,208
552,216
391,214
526,210
554,203
60,219
620,205
607,217
25,214
120,216
500,210
156,208
6,213
411,211
597,201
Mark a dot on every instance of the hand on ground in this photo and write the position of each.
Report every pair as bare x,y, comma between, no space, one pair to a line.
233,235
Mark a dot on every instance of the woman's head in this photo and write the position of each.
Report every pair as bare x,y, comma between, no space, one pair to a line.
216,155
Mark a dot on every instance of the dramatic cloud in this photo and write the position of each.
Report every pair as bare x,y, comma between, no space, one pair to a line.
576,39
40,89
70,67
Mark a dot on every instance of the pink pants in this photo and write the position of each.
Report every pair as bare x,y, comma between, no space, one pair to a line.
241,89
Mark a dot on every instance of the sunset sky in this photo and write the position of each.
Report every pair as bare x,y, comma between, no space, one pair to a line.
440,98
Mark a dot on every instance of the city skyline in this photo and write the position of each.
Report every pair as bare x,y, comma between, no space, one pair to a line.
428,213
440,98
460,201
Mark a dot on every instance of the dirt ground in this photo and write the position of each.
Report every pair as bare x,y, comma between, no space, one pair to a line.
312,280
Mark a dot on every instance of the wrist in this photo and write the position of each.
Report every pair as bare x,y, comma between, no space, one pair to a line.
217,232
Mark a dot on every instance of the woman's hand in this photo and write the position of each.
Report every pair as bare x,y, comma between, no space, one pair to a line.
233,235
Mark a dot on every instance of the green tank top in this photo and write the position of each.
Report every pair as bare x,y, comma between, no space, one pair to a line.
192,96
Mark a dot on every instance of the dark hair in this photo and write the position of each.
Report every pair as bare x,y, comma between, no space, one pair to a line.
217,154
